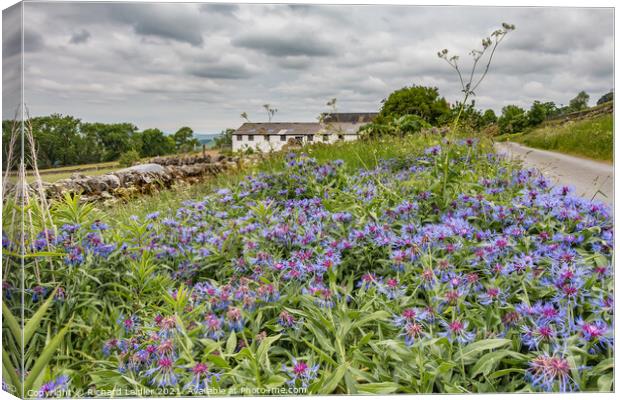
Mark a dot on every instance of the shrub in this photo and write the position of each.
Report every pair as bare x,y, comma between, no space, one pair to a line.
129,158
422,101
512,120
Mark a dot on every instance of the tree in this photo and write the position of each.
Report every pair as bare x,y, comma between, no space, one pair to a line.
489,117
469,115
224,140
58,140
579,102
112,139
512,120
422,101
184,139
605,98
156,143
540,111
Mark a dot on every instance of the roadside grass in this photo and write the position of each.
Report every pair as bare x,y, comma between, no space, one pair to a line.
591,138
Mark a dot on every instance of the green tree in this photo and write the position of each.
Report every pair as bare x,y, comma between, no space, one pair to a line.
113,139
422,101
488,117
129,158
58,140
469,115
605,98
224,140
579,102
184,139
540,111
512,120
156,143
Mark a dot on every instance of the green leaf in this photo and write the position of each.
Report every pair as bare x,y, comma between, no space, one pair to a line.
45,357
376,316
231,343
275,381
324,356
603,365
378,388
506,371
8,368
604,383
33,323
218,361
471,351
263,349
488,362
12,324
332,382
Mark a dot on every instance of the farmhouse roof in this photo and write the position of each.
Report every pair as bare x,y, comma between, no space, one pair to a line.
350,117
296,128
278,128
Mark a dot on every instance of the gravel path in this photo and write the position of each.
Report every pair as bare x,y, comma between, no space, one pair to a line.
591,179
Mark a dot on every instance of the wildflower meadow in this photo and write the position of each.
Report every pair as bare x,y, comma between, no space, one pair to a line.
431,265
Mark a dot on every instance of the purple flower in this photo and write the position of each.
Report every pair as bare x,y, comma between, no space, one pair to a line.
301,373
545,371
392,289
163,373
201,378
234,319
457,331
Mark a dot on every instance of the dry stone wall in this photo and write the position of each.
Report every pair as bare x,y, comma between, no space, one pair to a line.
160,173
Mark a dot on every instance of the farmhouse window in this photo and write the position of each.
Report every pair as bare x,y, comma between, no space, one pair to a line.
340,137
325,138
266,138
250,138
310,138
239,138
283,138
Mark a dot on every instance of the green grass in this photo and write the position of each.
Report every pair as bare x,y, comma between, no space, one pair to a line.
591,138
355,154
50,176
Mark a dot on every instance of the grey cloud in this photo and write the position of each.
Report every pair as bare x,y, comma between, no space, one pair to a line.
218,8
285,43
169,65
220,71
167,21
80,37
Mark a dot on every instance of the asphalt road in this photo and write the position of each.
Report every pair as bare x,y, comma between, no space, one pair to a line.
591,179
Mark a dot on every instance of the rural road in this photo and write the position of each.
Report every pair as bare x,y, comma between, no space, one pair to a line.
591,179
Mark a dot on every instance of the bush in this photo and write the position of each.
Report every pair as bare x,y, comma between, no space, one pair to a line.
512,120
129,158
422,101
405,125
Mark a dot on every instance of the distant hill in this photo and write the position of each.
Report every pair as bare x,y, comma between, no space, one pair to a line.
206,138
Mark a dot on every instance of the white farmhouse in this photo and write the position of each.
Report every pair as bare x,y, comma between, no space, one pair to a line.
272,136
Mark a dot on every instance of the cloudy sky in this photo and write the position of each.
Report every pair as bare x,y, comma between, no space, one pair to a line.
168,65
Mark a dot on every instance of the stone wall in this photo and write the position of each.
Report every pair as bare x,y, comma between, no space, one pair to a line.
160,173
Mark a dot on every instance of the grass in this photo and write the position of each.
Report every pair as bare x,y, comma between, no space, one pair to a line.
591,138
54,176
356,155
95,169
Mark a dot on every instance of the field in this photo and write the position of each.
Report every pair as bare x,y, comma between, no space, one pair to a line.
591,138
55,174
413,265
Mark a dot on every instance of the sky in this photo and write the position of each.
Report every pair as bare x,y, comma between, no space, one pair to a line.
201,65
